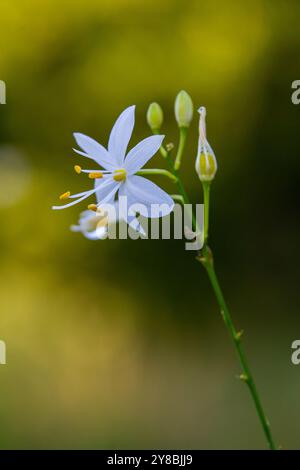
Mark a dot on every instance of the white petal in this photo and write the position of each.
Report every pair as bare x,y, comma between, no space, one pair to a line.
109,198
94,150
97,234
85,215
142,152
120,135
89,226
104,189
143,191
130,217
75,228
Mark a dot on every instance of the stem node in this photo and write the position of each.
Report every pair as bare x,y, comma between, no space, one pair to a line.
244,378
206,257
238,335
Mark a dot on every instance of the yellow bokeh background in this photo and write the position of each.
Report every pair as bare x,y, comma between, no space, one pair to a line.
119,344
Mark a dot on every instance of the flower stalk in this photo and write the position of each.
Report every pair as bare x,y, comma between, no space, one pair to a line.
182,141
120,174
205,257
157,171
206,197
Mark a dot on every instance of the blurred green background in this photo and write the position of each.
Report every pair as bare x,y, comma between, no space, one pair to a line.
119,344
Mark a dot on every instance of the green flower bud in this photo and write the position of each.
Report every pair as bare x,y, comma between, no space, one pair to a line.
206,163
183,109
155,116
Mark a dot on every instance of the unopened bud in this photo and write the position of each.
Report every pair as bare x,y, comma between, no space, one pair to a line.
183,109
206,163
155,116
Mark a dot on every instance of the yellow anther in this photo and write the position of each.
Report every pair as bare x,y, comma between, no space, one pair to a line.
77,168
65,195
92,207
120,175
96,175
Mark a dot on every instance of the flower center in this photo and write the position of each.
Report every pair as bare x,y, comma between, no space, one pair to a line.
120,175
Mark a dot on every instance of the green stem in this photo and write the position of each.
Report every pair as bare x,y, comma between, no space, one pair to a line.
182,192
182,141
166,154
206,196
206,259
158,171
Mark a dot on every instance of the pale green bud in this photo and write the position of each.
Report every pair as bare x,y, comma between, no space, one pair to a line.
155,116
206,162
183,109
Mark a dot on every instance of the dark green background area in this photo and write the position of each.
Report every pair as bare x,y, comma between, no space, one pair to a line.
119,344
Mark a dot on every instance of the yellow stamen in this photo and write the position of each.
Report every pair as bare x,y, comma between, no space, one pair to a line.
77,168
96,175
65,195
92,207
120,175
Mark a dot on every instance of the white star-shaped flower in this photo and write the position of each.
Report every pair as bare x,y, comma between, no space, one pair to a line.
92,225
117,175
95,225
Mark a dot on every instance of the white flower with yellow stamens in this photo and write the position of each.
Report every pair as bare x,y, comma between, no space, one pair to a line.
92,225
96,225
206,163
119,172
